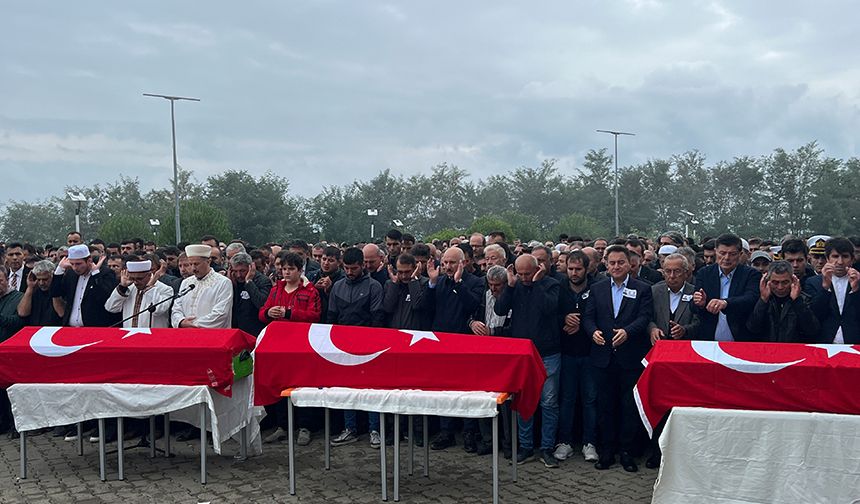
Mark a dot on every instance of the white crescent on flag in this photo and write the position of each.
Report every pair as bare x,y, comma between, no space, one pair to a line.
42,342
711,350
319,336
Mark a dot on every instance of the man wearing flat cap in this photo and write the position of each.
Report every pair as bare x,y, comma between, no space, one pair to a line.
137,290
80,289
209,299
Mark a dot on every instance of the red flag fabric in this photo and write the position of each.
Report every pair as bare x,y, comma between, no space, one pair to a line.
320,355
122,355
751,376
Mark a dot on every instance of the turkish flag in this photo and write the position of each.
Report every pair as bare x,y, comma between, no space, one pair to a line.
750,376
122,355
292,354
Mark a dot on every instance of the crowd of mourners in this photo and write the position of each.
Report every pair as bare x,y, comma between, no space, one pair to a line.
593,307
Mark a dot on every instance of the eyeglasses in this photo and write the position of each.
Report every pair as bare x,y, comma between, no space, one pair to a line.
673,272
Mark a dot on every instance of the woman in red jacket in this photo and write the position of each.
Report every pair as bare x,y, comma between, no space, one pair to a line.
294,298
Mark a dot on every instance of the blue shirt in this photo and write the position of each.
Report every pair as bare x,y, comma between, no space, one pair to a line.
723,333
618,294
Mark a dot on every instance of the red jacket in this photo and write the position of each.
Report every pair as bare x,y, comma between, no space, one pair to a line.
304,303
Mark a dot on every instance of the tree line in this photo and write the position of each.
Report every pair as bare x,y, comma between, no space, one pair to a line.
799,192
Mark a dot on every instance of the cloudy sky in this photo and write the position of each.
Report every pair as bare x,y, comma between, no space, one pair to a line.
325,92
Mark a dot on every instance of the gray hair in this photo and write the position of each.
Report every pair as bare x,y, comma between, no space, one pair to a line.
780,267
497,273
62,248
43,266
690,254
234,247
241,258
496,248
682,257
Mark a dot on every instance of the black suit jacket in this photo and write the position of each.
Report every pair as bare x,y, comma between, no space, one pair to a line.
824,306
743,294
22,282
633,316
98,289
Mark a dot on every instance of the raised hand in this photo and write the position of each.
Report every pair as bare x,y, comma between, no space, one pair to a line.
65,263
392,274
31,281
827,276
700,298
97,265
512,276
540,273
252,272
764,288
432,271
854,279
458,275
124,280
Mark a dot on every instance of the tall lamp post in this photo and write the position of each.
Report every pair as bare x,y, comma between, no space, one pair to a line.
79,199
615,134
172,99
372,213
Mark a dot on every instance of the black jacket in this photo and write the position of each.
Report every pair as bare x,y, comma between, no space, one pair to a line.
633,316
743,294
356,302
569,301
534,313
784,321
248,298
99,287
824,306
408,306
454,302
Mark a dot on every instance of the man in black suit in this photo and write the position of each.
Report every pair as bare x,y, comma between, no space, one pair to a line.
726,293
834,293
15,266
616,316
638,269
80,289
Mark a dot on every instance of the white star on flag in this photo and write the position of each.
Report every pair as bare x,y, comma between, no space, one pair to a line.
836,349
136,330
420,335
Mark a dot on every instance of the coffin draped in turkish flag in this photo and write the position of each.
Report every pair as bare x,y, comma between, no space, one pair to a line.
292,354
751,376
120,355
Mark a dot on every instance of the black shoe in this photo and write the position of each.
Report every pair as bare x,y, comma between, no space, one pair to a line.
604,463
548,459
470,445
653,461
524,456
419,440
628,463
188,434
485,448
507,451
442,440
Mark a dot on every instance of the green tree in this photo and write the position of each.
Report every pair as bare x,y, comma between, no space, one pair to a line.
120,227
486,224
578,224
198,218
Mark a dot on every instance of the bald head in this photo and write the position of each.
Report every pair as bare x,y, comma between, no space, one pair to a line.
595,256
451,260
372,257
526,266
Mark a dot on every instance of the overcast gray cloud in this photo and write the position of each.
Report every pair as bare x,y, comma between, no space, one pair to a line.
325,92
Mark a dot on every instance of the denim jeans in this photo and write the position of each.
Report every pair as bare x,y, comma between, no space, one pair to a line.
349,420
577,380
548,408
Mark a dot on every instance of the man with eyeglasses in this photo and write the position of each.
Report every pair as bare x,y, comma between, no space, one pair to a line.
726,293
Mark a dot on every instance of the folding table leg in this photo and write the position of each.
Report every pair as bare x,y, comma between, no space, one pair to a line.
23,436
496,459
120,427
102,475
327,439
243,443
152,436
203,407
411,460
80,438
291,454
514,438
166,435
396,457
382,464
426,448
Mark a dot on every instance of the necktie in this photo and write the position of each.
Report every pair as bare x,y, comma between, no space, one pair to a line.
14,281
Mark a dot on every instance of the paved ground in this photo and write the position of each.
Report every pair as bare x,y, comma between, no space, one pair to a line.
58,475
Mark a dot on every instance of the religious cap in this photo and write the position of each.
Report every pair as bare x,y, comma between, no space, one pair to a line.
200,250
667,249
816,244
79,252
760,254
745,244
138,266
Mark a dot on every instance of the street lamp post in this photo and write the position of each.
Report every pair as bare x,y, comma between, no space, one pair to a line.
172,99
372,213
615,134
78,198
